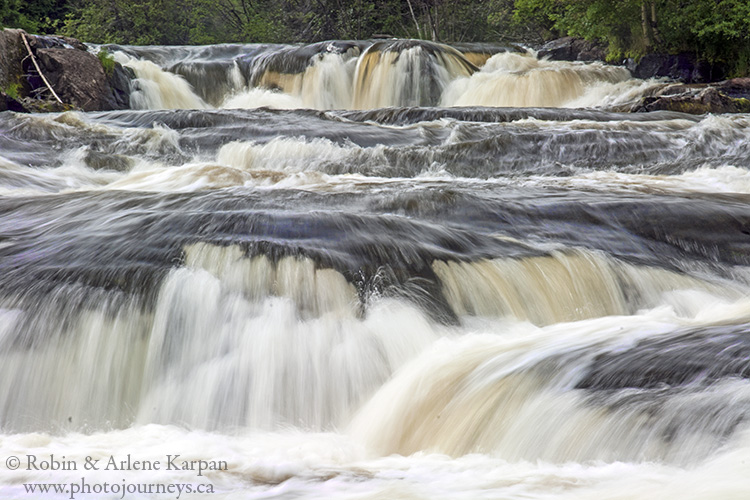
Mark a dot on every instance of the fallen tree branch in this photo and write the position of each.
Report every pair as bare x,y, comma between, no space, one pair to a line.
33,59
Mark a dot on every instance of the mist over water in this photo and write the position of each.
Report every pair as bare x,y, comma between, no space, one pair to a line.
388,269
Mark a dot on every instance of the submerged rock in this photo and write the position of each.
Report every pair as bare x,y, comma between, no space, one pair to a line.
693,357
55,42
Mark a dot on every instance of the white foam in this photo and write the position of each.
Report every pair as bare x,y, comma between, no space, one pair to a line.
522,80
262,98
158,89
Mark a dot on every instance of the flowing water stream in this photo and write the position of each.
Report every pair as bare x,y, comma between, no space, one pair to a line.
388,269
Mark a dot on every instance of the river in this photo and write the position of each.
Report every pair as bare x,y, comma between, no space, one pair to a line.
360,270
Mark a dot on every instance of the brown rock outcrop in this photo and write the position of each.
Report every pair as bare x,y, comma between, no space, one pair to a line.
76,75
78,78
11,70
724,97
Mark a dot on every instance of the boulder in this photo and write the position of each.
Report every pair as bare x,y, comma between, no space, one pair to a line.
684,67
736,87
693,99
78,78
13,51
32,105
573,49
76,75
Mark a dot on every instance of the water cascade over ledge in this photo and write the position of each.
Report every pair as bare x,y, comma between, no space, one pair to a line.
362,75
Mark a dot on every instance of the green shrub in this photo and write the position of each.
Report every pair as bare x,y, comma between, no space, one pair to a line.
12,91
108,62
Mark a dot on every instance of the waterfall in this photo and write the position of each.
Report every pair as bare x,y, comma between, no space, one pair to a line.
348,75
406,74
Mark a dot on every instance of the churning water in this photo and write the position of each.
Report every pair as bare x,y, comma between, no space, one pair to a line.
375,270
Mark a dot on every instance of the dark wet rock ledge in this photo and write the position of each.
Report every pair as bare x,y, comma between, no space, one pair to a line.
81,79
731,96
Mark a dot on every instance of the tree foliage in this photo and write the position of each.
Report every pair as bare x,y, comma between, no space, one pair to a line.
39,16
717,31
140,22
217,21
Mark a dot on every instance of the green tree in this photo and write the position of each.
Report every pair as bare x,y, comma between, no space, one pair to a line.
139,22
164,22
12,16
39,16
617,23
251,20
716,31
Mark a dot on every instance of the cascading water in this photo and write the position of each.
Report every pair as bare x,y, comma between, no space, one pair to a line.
349,75
522,80
406,74
365,295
